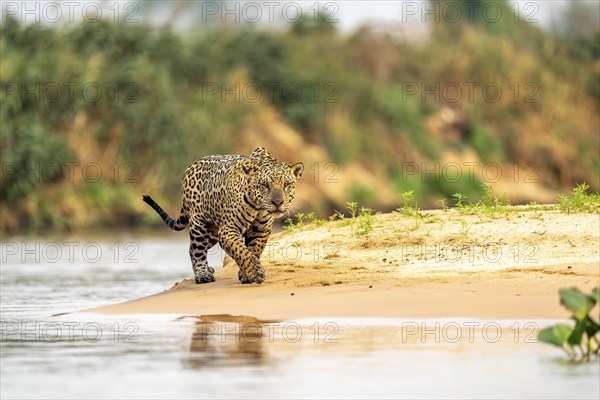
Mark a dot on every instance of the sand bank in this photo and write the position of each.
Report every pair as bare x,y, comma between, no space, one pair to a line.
444,264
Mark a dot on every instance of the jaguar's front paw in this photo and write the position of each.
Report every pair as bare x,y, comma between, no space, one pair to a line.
243,277
204,274
253,276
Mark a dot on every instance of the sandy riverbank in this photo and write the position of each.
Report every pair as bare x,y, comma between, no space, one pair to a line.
444,264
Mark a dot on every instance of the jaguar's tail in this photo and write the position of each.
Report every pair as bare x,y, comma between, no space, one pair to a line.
176,225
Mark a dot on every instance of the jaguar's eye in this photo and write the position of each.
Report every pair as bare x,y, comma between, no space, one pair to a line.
287,186
266,185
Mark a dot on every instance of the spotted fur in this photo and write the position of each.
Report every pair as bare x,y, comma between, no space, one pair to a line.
233,200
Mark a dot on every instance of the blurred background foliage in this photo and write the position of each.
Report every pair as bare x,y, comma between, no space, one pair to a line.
74,160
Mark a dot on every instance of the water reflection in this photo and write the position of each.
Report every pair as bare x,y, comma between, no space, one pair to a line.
226,340
248,358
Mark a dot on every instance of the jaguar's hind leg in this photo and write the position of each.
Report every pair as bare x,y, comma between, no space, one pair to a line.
201,240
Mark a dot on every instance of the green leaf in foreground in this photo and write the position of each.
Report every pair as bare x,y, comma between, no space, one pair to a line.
591,327
575,337
577,302
596,294
556,335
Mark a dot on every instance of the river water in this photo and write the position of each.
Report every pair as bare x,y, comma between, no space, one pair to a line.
167,356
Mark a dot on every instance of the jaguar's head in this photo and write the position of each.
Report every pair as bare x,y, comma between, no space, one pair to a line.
272,183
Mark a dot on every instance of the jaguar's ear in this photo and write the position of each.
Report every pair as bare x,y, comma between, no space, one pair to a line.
249,167
297,169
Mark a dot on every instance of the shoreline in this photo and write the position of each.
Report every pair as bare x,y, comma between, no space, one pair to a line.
502,268
432,300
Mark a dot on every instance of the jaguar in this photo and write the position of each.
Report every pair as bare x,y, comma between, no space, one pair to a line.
233,200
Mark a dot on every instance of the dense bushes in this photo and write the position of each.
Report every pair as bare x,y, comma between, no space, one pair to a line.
141,103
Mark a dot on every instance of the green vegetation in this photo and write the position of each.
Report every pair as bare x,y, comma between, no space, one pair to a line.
301,221
580,201
139,104
409,204
582,340
365,222
410,207
464,228
360,220
352,207
491,205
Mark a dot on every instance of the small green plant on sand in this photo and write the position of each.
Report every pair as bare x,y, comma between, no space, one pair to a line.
302,220
464,228
409,204
365,222
337,215
352,207
410,207
443,204
361,221
583,340
490,204
460,200
580,201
